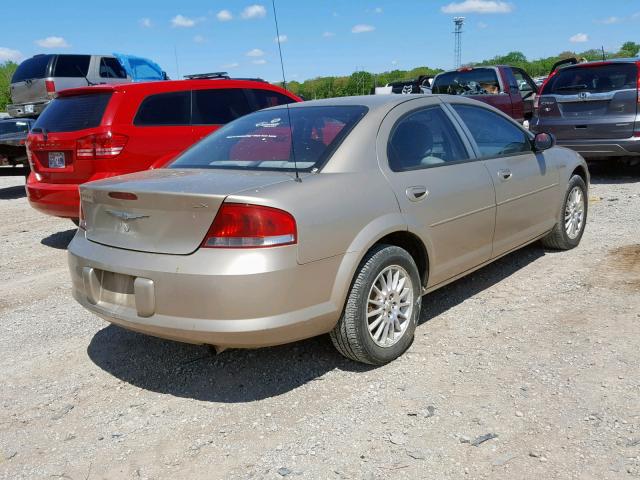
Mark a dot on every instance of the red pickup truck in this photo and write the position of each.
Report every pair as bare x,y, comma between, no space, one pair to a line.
506,88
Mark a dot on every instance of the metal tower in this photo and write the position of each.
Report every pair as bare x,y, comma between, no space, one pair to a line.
457,53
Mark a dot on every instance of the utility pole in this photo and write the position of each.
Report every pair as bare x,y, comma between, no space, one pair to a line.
458,22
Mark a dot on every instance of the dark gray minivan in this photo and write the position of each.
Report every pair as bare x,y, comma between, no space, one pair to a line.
592,108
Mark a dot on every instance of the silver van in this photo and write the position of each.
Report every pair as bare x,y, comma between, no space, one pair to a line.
38,79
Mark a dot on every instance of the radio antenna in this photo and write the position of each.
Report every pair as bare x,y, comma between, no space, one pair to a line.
284,85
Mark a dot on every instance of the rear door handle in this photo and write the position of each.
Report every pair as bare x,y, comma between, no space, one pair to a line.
417,193
505,174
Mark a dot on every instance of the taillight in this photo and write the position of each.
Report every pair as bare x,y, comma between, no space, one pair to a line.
51,87
101,145
250,226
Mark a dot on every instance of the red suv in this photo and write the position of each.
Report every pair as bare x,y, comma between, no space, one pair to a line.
101,131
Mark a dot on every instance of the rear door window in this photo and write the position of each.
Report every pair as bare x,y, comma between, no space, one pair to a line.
593,79
478,81
165,109
71,66
494,135
111,68
268,98
35,67
422,139
219,106
68,114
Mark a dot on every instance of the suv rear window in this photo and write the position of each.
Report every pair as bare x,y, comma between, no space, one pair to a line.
478,81
34,67
71,66
68,114
165,109
593,79
262,140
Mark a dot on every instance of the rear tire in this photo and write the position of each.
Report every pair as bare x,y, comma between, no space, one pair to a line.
573,217
377,324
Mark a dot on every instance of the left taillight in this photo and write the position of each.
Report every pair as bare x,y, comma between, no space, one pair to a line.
100,146
250,226
51,88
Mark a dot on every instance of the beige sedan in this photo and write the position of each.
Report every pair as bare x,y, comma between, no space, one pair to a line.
333,216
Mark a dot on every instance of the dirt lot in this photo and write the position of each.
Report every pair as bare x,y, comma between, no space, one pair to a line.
540,349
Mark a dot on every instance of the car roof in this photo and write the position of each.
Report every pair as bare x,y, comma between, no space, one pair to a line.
161,86
608,61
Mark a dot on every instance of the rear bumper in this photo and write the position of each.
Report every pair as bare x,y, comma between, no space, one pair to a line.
604,148
227,298
30,109
59,200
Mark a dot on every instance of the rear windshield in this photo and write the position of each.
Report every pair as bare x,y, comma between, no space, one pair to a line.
479,81
593,79
67,114
34,67
262,140
71,66
15,126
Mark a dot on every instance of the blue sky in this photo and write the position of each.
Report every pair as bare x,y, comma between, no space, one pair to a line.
322,37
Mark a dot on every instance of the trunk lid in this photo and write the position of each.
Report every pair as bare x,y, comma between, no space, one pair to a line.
597,101
166,211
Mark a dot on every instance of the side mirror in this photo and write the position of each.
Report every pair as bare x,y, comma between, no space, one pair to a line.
543,141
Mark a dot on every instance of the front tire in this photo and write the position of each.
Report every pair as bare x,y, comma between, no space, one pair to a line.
382,309
573,217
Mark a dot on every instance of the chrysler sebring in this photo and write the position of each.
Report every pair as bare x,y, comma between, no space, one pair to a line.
333,216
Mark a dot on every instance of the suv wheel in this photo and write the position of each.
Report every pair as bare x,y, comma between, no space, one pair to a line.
382,308
567,233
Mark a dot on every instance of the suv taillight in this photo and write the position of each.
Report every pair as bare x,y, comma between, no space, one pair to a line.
100,146
250,226
51,88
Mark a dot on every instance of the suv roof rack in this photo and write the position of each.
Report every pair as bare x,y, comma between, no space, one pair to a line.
203,76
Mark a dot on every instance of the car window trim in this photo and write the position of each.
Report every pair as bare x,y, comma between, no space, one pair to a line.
190,124
472,140
461,136
252,106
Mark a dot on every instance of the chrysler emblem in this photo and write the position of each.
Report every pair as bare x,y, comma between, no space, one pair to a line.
126,216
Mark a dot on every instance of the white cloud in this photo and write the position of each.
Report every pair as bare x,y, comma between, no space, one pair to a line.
180,21
377,10
482,25
145,22
283,39
199,39
328,34
394,62
362,28
635,15
610,20
253,11
579,38
52,42
256,52
8,54
478,6
224,15
231,65
260,61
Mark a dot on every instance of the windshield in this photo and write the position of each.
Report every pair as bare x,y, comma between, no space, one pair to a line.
593,79
262,140
15,126
478,81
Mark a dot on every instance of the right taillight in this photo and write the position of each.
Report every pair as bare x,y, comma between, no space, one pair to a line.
250,226
50,87
100,146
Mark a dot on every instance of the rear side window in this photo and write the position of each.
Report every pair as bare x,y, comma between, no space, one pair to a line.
422,139
479,81
268,98
35,67
111,68
593,79
219,106
71,66
165,109
494,135
14,126
68,114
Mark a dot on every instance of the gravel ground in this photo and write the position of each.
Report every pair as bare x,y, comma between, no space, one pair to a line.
526,369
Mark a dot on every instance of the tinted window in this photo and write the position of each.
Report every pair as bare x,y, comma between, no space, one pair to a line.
111,68
219,106
14,126
479,81
71,66
263,140
67,114
424,139
600,78
35,67
267,98
525,85
165,109
494,134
